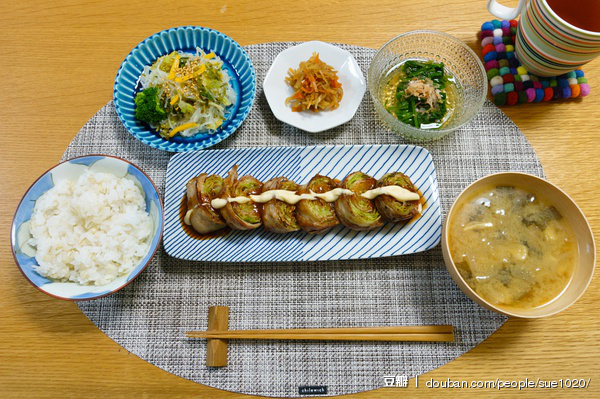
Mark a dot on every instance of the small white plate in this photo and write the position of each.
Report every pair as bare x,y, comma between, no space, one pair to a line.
277,90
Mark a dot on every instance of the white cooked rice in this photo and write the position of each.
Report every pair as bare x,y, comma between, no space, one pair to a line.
90,231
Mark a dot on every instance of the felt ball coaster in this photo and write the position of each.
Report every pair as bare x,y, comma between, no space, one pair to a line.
511,83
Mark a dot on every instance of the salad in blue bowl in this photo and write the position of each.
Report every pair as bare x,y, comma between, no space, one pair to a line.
184,89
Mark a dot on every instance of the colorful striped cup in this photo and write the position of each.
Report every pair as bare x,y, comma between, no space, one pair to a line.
546,44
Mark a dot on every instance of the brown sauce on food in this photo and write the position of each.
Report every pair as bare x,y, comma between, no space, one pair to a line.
189,230
260,209
423,206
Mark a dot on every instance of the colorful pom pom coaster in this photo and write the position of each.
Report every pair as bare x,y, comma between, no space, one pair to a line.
510,83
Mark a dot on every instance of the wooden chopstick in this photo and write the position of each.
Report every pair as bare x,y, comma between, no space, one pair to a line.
344,330
334,337
402,333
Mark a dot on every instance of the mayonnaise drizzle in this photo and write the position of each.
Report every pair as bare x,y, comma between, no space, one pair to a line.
218,203
282,195
186,218
333,195
399,193
290,197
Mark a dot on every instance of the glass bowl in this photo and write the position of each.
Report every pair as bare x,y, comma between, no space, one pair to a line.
428,45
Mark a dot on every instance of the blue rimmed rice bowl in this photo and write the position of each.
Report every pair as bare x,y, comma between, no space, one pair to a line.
24,253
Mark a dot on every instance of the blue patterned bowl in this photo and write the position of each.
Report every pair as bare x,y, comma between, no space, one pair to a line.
24,254
187,38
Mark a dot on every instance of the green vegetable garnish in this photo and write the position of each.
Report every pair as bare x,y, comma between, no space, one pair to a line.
148,108
186,108
167,62
206,94
420,95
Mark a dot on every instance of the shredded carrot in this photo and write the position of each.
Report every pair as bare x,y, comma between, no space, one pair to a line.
316,86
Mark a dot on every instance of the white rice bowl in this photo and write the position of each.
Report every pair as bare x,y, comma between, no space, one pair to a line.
90,231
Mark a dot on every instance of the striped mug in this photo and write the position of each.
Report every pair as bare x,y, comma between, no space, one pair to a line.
554,36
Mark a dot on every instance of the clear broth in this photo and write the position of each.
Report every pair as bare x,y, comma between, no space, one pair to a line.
387,93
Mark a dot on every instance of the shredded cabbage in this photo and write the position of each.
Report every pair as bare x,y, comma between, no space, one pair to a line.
194,90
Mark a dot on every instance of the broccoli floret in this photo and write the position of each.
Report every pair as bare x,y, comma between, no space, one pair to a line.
147,106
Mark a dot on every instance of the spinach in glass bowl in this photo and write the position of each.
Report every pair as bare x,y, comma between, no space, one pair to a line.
420,94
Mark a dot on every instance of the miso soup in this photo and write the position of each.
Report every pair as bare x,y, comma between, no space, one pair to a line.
512,247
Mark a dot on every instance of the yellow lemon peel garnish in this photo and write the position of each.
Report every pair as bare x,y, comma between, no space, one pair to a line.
181,127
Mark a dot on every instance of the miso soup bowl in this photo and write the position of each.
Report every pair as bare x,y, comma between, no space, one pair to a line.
584,269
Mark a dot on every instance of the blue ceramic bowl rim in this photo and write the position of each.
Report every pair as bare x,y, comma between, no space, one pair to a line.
13,230
197,145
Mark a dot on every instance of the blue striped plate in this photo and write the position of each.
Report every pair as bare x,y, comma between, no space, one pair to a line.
300,164
187,38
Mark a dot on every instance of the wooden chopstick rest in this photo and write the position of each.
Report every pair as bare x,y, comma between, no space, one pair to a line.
216,349
218,334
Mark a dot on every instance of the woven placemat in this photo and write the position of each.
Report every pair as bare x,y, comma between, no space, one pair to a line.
149,317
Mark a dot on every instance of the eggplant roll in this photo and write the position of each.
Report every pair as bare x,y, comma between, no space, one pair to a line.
389,207
316,216
354,211
200,191
278,216
240,216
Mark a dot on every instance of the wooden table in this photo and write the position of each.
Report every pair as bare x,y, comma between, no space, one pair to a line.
58,63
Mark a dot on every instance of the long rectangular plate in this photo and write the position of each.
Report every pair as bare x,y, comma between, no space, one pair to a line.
300,164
